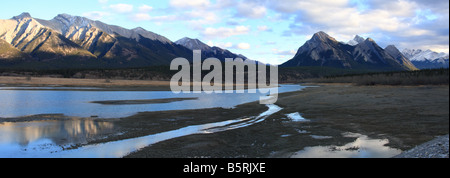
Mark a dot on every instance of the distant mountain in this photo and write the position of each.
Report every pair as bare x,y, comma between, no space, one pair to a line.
324,50
420,55
394,52
193,44
358,39
207,51
77,42
427,59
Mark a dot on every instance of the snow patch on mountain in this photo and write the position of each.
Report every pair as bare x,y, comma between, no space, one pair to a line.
420,55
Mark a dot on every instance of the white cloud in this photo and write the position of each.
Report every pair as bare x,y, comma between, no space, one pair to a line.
243,46
224,32
284,52
210,43
103,1
229,45
146,17
122,8
223,45
290,6
199,18
400,8
145,8
345,18
251,10
189,3
141,17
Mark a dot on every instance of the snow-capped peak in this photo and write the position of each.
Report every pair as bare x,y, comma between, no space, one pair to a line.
420,55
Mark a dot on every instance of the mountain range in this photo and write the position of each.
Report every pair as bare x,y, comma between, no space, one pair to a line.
207,51
77,42
427,59
360,53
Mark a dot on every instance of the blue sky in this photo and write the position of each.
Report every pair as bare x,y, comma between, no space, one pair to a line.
266,30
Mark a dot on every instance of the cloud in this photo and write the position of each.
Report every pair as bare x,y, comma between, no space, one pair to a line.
405,23
251,10
141,17
194,13
198,18
121,8
284,52
224,32
243,46
146,17
145,8
344,18
229,45
398,8
223,45
189,4
195,19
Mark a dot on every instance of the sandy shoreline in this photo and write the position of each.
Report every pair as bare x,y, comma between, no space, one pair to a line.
405,115
71,82
103,84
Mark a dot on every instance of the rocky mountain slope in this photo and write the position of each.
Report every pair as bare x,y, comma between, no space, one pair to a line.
77,42
29,36
207,51
324,50
394,52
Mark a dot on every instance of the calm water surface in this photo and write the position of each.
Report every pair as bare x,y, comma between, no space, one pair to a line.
16,103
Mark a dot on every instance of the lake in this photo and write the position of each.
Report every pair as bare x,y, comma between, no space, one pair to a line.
18,101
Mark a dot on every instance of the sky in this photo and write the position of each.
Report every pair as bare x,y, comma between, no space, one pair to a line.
265,30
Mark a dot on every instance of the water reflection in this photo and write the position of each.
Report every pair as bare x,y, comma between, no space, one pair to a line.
18,137
42,148
362,147
123,147
16,103
48,88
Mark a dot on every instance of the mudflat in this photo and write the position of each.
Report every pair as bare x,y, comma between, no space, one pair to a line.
405,115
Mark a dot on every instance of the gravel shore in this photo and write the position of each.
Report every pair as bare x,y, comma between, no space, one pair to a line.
436,148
